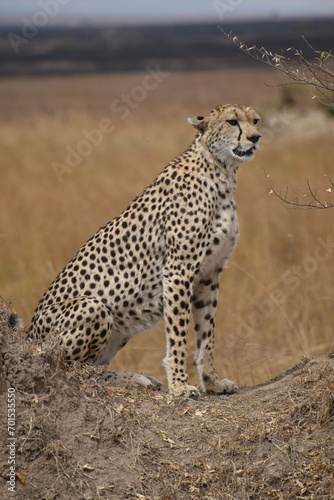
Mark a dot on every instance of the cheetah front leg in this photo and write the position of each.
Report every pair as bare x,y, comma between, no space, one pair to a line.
204,306
177,302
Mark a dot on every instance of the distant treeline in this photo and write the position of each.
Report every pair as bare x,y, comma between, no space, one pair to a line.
30,49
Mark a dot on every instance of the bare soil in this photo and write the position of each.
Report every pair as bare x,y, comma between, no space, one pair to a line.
79,438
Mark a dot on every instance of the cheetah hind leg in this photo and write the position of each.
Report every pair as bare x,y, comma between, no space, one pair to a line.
124,379
83,326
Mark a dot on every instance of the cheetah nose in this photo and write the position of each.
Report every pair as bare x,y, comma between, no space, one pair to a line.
254,138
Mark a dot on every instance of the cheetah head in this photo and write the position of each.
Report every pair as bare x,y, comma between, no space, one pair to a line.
229,132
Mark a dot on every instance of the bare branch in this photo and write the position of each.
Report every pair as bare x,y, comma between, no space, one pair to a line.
295,65
305,72
312,200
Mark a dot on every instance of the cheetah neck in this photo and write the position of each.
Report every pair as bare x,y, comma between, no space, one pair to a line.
225,172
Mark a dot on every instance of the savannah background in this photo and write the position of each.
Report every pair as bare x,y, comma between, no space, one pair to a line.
47,213
276,296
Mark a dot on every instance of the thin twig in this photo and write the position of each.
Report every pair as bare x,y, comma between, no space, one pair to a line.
315,201
298,68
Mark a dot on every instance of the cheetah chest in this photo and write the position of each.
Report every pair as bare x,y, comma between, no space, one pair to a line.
223,239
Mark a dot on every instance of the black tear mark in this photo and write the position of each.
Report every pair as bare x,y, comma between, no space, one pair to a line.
240,131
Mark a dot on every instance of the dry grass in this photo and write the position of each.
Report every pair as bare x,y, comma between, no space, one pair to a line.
276,298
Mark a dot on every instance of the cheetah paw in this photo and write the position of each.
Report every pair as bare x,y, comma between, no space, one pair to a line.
155,385
187,391
223,386
124,378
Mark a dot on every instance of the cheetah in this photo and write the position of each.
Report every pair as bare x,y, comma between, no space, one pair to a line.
160,258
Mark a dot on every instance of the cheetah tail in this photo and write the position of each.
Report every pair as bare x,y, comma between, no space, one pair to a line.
15,322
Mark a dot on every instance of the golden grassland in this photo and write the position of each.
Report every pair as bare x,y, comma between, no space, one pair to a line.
276,298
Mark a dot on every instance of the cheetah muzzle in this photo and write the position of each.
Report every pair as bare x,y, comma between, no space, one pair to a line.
161,257
238,152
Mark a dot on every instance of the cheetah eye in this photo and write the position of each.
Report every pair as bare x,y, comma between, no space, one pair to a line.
200,118
256,121
232,122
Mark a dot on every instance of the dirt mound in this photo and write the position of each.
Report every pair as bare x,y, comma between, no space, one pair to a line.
71,436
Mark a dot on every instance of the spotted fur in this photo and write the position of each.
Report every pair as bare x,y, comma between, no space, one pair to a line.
160,258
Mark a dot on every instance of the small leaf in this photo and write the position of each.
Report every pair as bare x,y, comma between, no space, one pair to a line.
323,57
21,477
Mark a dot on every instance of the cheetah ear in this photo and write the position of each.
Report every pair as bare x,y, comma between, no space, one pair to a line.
199,122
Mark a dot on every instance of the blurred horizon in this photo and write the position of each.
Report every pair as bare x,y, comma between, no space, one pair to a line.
102,21
149,12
